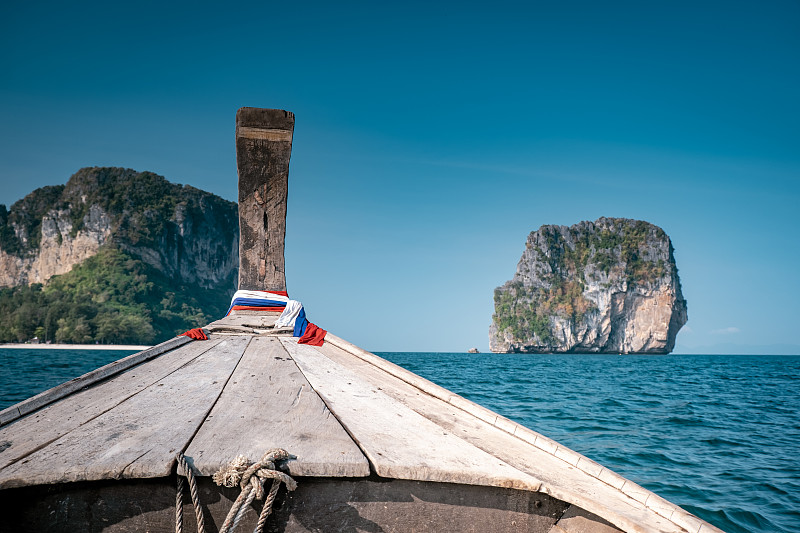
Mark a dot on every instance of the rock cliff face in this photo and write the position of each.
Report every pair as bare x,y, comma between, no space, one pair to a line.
58,250
185,233
609,286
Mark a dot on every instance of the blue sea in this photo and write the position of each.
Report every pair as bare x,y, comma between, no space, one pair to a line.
717,434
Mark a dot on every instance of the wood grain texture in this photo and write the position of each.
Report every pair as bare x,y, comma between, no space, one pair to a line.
263,163
269,404
264,134
140,436
399,442
559,478
46,425
262,320
65,389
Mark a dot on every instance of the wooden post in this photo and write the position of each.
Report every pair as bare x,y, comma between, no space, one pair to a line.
263,148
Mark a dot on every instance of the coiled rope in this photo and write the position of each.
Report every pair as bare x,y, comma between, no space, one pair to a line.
250,477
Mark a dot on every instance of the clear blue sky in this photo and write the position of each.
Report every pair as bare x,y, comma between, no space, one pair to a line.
431,139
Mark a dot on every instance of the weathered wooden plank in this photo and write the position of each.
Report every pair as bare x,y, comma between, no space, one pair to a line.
399,442
44,426
140,436
255,319
263,148
269,404
49,396
559,478
245,330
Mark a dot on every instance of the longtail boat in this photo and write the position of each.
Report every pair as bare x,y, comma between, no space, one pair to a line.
253,430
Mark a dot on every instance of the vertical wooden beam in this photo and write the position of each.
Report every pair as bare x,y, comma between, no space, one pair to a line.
263,148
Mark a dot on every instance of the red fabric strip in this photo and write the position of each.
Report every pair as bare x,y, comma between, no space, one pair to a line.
314,335
280,293
197,334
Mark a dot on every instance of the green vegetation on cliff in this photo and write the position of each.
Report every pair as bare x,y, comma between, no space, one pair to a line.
111,298
603,249
527,310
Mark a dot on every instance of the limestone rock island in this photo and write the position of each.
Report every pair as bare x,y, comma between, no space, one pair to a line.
609,286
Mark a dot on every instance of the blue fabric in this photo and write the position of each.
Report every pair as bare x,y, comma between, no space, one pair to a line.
300,324
253,302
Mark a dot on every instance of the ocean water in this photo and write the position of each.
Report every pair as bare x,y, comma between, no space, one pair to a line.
26,372
718,435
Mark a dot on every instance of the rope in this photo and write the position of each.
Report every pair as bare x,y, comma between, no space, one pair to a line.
198,510
179,507
250,478
267,509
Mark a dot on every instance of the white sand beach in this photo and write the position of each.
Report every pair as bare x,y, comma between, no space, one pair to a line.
74,347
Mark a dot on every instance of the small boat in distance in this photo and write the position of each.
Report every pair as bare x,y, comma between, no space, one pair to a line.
370,445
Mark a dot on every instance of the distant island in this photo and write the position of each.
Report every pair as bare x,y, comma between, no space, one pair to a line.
115,256
609,286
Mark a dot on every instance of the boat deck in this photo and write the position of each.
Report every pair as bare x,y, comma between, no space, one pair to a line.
343,413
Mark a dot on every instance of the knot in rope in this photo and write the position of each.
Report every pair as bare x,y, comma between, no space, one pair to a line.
250,478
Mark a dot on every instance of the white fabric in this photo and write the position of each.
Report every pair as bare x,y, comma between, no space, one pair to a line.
289,315
261,295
